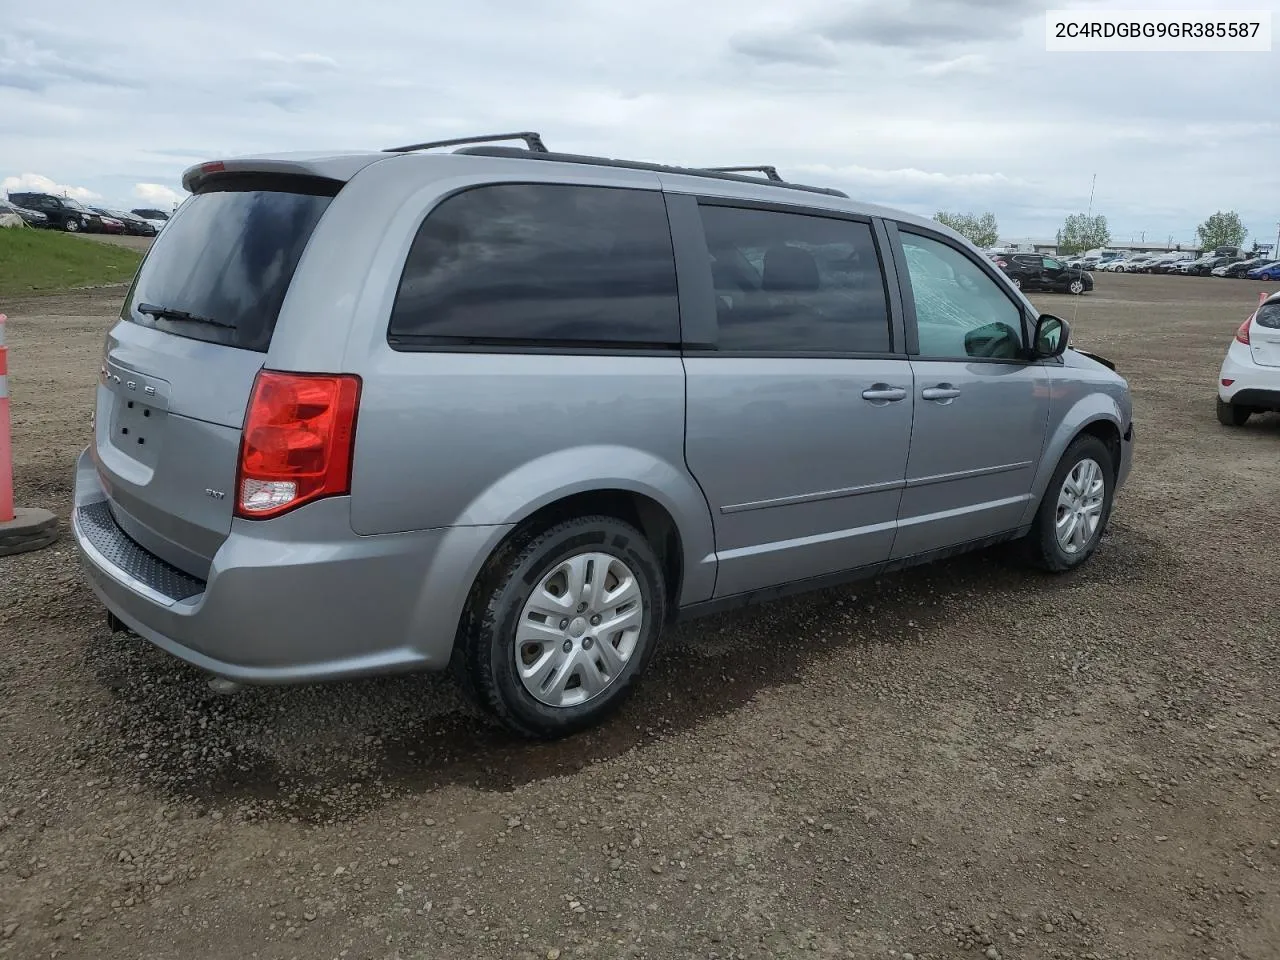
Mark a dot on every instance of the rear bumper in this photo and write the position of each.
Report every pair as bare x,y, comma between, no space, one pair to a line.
298,601
1251,384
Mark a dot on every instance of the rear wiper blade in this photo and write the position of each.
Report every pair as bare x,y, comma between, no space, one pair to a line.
168,313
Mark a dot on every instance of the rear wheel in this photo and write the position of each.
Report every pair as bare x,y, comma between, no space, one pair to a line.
1017,283
562,624
1075,509
1232,415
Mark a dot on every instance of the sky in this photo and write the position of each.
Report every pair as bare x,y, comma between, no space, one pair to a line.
924,105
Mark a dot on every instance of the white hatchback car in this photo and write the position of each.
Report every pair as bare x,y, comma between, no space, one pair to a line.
1249,382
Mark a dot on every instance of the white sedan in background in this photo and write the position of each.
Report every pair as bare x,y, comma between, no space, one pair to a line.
1249,382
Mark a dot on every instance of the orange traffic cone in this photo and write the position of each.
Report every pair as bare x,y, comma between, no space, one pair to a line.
20,530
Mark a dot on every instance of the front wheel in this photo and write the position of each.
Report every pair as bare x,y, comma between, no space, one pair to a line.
72,225
561,626
1231,415
1017,283
1075,509
1076,287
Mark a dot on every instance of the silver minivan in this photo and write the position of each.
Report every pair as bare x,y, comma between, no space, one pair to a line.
515,411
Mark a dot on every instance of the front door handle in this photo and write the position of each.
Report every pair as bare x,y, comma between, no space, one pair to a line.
943,391
882,393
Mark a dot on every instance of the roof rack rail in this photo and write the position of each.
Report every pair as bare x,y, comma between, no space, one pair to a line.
532,140
516,153
770,172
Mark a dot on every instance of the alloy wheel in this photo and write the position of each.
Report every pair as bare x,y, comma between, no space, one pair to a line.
1080,506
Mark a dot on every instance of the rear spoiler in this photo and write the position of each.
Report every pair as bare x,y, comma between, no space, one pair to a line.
317,166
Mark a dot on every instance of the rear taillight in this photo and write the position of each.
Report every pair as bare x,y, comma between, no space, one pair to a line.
298,437
1243,333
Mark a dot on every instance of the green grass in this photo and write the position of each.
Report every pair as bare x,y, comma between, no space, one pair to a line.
37,261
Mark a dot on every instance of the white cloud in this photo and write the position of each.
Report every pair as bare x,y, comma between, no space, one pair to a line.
314,60
908,176
38,183
156,194
965,63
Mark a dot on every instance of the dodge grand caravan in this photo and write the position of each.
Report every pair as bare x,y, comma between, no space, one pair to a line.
514,411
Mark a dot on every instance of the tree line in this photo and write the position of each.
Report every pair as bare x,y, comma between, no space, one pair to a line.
1083,231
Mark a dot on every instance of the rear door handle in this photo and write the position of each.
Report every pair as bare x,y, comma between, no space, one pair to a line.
943,391
882,393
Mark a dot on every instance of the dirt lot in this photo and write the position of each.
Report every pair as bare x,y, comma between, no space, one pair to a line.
122,240
965,760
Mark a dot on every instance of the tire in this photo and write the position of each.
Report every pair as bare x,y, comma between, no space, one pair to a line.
1042,547
1076,287
530,568
71,225
1232,415
1017,283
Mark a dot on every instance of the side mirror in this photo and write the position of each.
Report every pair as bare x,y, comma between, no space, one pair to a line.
1051,337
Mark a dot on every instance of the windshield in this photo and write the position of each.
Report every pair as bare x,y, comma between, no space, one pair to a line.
228,256
75,205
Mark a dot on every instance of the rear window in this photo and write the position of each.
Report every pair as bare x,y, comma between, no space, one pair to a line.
540,264
226,258
794,283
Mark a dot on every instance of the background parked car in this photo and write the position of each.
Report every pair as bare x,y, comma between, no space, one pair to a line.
1169,263
157,218
1122,264
32,218
1204,265
1034,271
1241,267
1270,272
131,223
63,212
1136,263
109,223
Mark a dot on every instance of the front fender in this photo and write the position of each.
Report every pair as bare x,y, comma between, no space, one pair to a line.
1070,414
575,470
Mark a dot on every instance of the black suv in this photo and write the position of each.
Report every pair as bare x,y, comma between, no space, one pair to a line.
63,212
1034,271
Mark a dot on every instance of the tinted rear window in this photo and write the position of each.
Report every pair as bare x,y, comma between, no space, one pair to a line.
228,255
537,264
795,283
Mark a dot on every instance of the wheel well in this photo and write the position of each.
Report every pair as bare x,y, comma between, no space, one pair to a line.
644,513
1109,434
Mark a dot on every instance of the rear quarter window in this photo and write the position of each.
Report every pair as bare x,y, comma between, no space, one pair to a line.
540,264
227,257
1268,316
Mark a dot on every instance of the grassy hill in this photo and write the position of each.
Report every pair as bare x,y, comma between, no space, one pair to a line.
34,261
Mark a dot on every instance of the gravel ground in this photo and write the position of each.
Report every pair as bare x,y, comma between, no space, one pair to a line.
119,239
963,760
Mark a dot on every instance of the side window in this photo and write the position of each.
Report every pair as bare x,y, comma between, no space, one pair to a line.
544,263
960,311
795,283
1051,264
